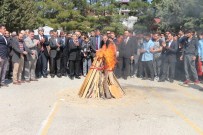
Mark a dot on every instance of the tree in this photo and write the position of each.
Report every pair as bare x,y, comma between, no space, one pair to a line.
180,14
17,16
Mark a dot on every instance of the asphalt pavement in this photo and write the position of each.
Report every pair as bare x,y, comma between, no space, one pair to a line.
52,107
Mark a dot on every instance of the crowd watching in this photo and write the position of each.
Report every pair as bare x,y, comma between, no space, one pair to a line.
26,57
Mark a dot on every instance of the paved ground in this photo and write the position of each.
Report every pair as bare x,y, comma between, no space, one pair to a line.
52,107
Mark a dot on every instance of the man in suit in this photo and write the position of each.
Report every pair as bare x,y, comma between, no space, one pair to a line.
30,63
96,41
169,58
43,55
55,55
19,54
10,68
64,50
125,55
75,57
3,55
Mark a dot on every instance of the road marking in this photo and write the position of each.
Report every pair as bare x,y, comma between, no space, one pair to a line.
153,88
47,122
190,95
177,112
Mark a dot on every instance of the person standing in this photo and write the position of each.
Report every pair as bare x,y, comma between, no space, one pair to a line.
169,58
43,54
86,51
96,41
30,63
4,53
147,57
189,54
157,49
19,54
10,67
125,55
75,57
64,50
55,55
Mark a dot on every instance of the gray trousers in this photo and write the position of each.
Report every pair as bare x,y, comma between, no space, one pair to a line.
189,64
30,67
157,66
3,69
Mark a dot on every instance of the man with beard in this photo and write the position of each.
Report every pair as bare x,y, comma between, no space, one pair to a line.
19,54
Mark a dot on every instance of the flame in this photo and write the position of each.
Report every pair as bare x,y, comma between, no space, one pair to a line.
109,55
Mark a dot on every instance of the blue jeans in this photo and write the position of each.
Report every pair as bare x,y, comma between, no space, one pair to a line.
86,65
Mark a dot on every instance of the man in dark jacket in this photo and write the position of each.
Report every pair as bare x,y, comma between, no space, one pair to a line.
43,55
169,59
64,50
126,55
3,55
19,54
189,54
75,57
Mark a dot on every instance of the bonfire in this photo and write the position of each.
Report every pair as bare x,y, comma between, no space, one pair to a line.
100,81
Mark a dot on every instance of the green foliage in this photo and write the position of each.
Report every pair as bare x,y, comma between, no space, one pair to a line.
18,16
180,14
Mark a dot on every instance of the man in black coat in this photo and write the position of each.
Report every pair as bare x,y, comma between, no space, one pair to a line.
4,53
169,58
64,50
43,55
19,54
75,57
125,55
55,55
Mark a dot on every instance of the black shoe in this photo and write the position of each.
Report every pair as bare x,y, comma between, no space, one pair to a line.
52,76
125,78
171,81
78,77
161,80
71,77
59,76
39,76
64,74
152,79
4,85
44,76
144,78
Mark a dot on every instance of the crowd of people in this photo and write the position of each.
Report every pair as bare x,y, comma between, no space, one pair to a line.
25,57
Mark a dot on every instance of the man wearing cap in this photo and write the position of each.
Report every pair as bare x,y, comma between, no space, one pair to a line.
43,55
190,51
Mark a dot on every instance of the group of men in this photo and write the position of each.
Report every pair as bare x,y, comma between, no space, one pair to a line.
150,56
168,56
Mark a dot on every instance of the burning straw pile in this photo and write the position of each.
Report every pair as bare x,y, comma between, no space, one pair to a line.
100,81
